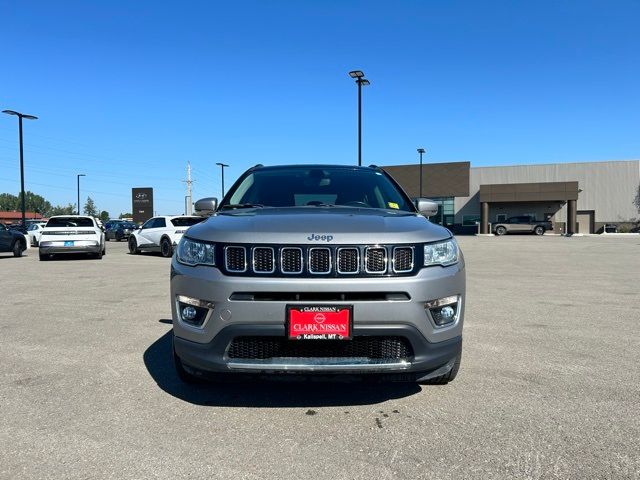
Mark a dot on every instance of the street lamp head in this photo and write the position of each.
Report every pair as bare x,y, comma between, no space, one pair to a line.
364,81
356,74
23,115
222,164
421,150
81,175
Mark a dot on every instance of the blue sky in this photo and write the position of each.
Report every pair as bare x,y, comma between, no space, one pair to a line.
127,92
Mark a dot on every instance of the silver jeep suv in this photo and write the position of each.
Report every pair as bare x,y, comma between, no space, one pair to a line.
318,269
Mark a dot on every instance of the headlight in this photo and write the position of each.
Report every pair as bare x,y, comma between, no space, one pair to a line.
442,253
192,252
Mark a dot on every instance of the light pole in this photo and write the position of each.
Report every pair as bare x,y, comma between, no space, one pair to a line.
222,165
20,117
79,175
421,151
360,80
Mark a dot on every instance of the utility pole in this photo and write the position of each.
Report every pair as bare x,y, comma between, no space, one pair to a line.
360,81
188,181
222,165
421,151
20,117
78,178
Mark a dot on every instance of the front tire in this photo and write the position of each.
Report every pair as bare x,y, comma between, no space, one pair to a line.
17,248
166,248
447,377
183,375
538,230
133,246
501,231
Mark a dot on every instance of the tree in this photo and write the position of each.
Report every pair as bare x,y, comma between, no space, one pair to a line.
636,201
34,203
126,215
104,215
90,208
69,209
8,202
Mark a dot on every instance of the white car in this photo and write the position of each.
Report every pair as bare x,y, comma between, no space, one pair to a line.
161,234
34,231
71,234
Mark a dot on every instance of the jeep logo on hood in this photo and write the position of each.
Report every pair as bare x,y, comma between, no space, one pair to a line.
316,237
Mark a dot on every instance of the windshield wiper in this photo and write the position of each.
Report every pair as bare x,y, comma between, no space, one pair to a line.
233,206
319,204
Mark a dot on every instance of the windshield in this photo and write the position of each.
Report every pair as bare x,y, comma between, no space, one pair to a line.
126,225
70,222
318,186
186,221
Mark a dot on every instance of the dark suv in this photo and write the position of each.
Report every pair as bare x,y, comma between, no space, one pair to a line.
12,241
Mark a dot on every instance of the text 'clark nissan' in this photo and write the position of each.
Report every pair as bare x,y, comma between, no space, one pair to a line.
318,269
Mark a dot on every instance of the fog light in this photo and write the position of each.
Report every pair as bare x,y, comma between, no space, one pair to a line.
193,311
189,313
444,310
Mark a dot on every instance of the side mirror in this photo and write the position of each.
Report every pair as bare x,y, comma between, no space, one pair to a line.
205,207
426,207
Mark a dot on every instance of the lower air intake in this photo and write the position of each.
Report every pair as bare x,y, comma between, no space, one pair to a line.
262,348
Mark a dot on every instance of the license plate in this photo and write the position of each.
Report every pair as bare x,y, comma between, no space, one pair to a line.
68,243
319,322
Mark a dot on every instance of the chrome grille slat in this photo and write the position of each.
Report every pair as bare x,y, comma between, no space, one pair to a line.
319,260
402,259
311,260
235,259
376,260
291,260
263,260
348,260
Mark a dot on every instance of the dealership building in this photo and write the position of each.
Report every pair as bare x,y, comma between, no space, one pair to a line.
575,197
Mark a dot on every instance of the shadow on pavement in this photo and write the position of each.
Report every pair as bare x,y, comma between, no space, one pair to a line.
267,393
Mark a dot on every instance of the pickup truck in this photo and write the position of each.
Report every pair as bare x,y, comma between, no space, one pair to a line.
522,224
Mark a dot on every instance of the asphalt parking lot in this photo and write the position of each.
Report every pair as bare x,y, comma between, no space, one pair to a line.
549,385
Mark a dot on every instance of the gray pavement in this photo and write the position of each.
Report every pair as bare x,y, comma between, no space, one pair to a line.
549,385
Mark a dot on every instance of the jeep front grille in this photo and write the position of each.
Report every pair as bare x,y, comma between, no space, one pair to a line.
321,261
376,260
348,260
402,259
291,260
264,260
236,259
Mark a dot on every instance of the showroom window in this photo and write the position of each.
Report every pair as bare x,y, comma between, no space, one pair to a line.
470,220
445,215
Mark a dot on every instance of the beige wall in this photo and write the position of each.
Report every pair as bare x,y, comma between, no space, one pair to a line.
607,187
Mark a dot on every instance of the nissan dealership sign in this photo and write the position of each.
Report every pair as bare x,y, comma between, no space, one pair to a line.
142,204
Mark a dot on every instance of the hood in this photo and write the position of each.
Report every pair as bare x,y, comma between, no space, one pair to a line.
317,226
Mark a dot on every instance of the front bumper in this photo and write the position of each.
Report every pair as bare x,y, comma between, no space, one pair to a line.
429,359
206,349
79,246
